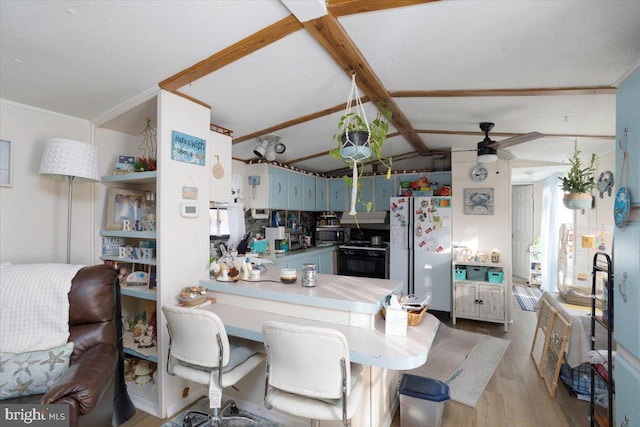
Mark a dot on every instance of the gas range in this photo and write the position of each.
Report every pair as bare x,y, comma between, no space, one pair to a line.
364,245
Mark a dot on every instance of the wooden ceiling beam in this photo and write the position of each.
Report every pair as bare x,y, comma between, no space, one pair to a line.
295,121
588,90
350,7
236,51
334,39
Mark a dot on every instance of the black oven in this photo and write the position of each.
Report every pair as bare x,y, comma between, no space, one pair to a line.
363,261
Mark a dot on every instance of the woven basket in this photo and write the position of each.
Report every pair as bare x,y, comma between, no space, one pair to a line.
413,317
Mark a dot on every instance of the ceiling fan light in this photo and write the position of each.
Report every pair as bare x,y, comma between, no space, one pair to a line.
487,154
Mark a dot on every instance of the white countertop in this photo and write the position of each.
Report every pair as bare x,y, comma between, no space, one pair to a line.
345,293
366,346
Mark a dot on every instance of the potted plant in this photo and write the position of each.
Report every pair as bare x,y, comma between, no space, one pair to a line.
359,141
579,182
354,133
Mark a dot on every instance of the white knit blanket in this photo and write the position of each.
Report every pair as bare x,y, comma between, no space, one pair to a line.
34,306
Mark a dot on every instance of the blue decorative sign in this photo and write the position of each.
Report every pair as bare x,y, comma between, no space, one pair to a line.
187,148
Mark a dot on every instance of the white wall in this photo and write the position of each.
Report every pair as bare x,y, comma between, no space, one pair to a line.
482,233
33,212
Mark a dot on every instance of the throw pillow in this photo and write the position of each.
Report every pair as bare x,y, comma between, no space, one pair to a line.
25,374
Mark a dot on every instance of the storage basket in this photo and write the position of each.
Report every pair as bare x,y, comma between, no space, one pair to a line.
413,317
495,276
461,273
476,273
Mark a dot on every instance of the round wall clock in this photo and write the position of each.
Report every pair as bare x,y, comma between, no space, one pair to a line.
479,173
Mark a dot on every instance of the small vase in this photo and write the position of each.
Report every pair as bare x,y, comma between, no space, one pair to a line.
577,200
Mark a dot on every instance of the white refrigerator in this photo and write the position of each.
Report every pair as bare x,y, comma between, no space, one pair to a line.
420,247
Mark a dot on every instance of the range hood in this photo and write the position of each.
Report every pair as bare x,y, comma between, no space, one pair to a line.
365,218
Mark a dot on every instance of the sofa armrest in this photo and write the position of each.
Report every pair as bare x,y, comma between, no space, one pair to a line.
87,379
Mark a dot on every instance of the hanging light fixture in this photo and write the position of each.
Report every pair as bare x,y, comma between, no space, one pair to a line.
269,145
486,153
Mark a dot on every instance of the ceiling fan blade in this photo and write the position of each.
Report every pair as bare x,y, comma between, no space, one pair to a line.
505,155
515,140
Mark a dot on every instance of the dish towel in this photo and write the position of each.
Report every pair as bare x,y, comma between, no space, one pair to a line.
34,301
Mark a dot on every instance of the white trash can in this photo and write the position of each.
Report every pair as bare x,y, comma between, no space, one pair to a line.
421,401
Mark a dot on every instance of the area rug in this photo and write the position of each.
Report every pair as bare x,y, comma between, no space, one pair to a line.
203,405
527,296
467,360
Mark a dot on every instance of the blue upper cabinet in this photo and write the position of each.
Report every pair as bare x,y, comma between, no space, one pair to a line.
626,246
321,194
278,195
337,195
628,117
308,192
383,191
365,196
295,191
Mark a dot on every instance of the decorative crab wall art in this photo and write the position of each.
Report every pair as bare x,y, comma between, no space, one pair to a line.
478,201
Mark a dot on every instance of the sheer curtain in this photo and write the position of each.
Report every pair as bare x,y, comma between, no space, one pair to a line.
554,214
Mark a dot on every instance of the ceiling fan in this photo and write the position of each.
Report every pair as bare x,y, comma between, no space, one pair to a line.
490,150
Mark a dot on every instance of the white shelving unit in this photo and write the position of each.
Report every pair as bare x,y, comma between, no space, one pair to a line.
479,298
182,242
535,267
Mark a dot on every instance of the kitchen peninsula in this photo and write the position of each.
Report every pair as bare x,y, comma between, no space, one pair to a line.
349,304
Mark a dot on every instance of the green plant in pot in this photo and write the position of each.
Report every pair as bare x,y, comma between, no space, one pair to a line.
579,182
359,141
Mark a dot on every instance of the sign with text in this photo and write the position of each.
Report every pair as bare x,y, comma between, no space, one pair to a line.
34,415
188,149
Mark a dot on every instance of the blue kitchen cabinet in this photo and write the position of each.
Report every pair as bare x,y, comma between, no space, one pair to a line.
337,195
627,379
308,192
626,265
297,264
321,194
628,117
294,188
365,194
325,263
383,191
278,197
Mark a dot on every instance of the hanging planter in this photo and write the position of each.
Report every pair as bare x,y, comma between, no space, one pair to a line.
355,145
579,182
577,200
360,140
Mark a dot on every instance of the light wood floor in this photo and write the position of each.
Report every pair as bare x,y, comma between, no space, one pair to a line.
514,397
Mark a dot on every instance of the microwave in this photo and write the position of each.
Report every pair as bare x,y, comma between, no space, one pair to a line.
333,235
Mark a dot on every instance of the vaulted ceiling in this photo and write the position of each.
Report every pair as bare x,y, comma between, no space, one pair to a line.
442,67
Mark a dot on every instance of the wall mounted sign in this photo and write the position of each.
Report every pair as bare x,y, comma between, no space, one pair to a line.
478,201
187,148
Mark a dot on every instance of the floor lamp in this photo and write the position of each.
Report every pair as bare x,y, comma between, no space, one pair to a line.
71,160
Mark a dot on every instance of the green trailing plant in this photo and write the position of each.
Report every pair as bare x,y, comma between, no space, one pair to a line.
579,179
378,129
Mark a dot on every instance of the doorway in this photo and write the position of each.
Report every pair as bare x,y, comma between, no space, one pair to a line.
522,212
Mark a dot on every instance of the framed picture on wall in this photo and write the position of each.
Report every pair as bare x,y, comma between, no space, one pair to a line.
124,204
478,201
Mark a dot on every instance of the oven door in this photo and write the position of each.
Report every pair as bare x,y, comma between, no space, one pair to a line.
363,263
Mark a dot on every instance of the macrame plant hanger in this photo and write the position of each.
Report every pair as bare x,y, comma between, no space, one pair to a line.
353,150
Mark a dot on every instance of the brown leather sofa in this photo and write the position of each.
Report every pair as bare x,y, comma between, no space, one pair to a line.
88,385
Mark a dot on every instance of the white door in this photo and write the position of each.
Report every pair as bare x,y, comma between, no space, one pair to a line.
521,228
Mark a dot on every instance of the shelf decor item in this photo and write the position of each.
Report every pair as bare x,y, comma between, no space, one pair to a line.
148,146
360,140
579,182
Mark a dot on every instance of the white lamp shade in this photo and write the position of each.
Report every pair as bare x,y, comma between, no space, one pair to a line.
65,157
